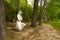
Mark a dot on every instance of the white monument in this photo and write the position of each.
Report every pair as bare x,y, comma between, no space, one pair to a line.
19,24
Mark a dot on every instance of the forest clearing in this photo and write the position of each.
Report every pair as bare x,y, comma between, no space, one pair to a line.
29,19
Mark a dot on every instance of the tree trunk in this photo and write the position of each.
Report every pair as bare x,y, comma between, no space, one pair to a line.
18,3
18,8
42,12
2,21
34,15
25,11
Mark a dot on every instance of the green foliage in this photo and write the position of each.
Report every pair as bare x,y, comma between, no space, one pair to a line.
55,24
27,14
53,9
11,10
58,15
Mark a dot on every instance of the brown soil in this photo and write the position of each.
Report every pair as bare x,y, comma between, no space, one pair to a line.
43,32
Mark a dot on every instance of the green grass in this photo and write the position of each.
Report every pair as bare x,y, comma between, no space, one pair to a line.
55,24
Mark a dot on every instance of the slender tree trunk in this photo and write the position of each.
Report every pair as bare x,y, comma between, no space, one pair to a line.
18,7
41,4
35,12
42,12
18,3
2,21
25,11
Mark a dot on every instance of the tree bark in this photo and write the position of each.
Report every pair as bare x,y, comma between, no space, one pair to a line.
18,8
42,12
25,11
35,12
18,3
2,21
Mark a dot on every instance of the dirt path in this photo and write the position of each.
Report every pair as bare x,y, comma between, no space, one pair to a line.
43,32
58,31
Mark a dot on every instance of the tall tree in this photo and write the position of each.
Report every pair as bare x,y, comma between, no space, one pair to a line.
18,3
35,12
25,10
2,21
42,11
18,7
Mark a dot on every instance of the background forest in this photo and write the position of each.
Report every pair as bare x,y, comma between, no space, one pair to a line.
51,13
41,17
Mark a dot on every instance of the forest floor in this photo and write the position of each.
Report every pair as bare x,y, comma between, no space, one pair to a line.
41,32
